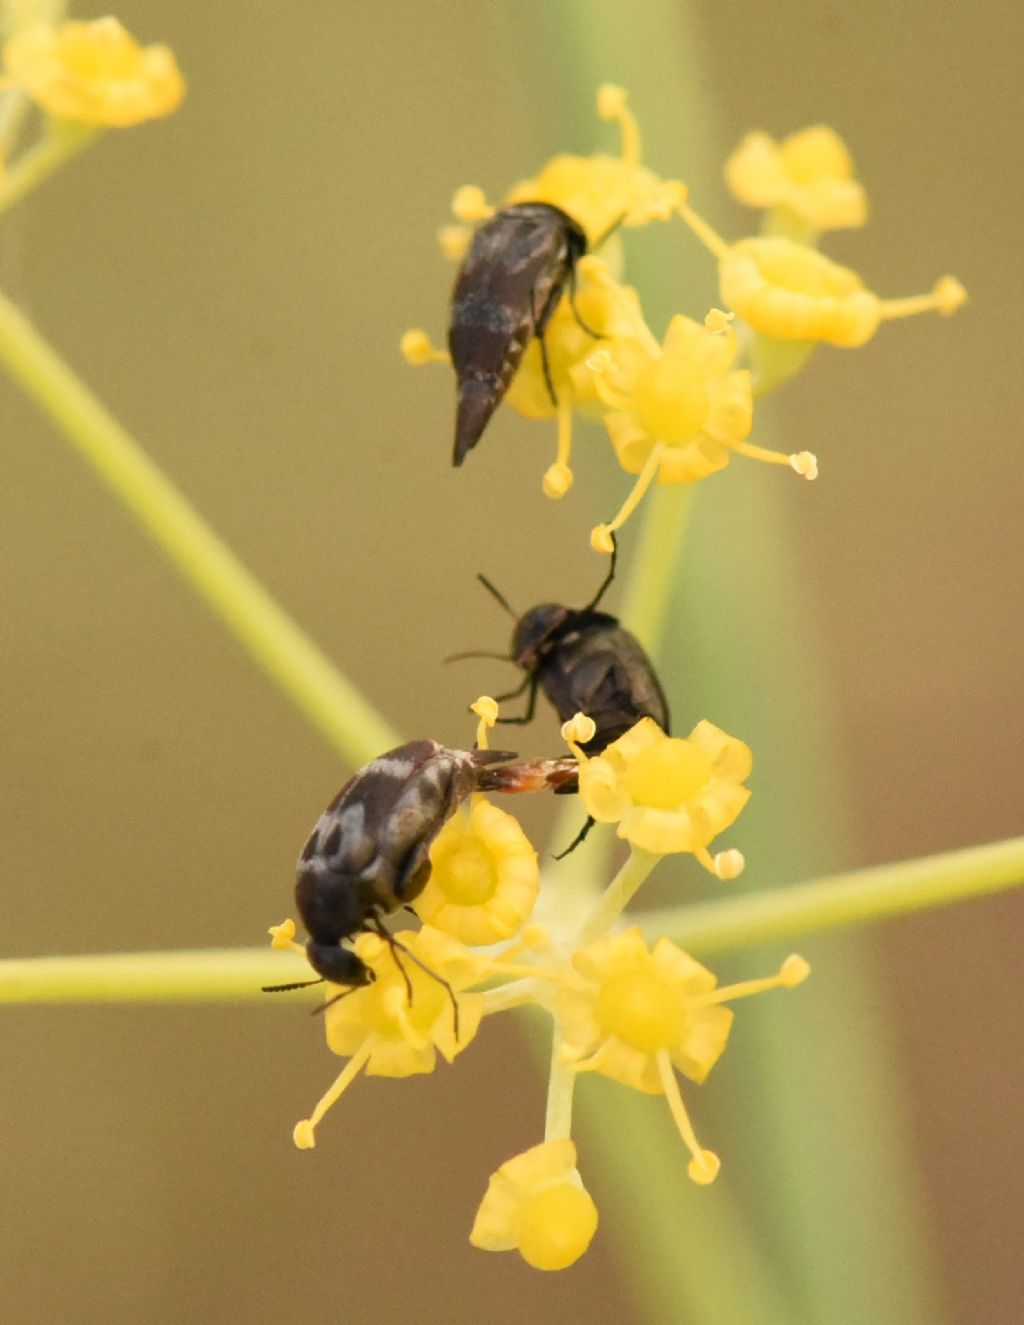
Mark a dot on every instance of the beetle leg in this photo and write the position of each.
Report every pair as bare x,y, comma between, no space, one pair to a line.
531,702
575,311
540,322
397,948
578,838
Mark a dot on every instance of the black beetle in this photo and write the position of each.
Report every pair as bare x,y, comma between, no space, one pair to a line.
506,291
585,662
369,853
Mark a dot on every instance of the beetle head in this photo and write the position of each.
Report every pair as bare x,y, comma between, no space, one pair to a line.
339,965
535,632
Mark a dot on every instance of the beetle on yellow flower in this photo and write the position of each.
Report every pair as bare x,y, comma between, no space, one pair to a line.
667,794
382,1027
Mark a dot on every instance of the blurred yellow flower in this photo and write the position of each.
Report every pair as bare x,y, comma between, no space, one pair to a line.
669,794
536,1204
790,291
94,72
810,172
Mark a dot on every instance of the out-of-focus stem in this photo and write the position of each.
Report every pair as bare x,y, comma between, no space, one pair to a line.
271,637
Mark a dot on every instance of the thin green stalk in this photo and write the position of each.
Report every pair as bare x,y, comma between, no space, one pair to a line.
653,570
213,975
273,640
61,141
859,897
618,895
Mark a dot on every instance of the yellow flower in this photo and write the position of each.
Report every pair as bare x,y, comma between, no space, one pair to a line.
395,1026
669,794
641,1013
607,315
537,1205
485,876
809,172
790,291
677,414
602,191
94,72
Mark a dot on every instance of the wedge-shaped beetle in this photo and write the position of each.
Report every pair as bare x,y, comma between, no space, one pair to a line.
584,662
508,287
369,853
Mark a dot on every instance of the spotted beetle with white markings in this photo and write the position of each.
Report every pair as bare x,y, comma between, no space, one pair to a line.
369,853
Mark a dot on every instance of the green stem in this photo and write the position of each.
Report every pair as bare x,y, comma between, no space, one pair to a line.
61,141
653,571
860,897
618,895
561,1088
213,975
271,637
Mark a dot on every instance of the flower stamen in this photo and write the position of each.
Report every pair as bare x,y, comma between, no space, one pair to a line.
417,348
946,297
282,938
613,104
486,709
724,865
558,477
707,235
703,1167
304,1132
804,463
793,971
601,535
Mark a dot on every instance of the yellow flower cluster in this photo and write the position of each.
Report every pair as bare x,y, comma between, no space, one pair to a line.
635,1013
676,410
94,73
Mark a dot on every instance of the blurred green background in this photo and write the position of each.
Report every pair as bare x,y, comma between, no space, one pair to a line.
233,283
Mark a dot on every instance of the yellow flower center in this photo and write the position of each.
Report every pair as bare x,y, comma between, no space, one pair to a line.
382,1004
667,775
555,1226
466,872
642,1010
670,400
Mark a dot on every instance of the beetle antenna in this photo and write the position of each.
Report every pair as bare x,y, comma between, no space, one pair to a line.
498,597
336,999
396,948
606,583
284,989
